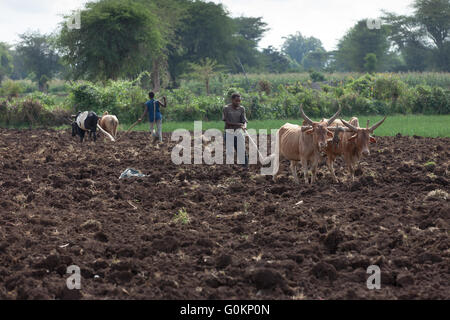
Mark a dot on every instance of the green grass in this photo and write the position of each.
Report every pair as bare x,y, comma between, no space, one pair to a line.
420,125
181,217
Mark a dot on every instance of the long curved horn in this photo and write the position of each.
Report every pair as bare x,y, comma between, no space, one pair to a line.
335,116
348,125
304,116
376,125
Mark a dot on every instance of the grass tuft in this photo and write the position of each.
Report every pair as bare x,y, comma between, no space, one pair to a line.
181,217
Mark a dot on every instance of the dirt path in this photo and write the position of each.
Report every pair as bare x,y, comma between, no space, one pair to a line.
62,204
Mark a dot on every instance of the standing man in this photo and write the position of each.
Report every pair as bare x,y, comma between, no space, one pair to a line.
154,114
234,118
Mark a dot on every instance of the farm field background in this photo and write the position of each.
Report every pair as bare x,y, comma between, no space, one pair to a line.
218,231
265,97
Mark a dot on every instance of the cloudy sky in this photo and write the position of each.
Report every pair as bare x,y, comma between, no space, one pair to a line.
327,20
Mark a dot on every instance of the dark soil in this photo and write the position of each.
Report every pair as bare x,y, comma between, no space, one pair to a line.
247,237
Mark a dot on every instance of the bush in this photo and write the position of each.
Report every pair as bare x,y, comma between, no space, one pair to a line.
363,85
46,100
380,94
11,89
388,88
122,98
317,76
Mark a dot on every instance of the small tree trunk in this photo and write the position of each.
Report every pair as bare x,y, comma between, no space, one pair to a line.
207,86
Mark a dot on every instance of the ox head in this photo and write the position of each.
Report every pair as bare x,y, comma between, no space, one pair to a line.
320,131
362,136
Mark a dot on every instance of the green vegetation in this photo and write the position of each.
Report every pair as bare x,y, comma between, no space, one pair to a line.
181,217
377,94
418,125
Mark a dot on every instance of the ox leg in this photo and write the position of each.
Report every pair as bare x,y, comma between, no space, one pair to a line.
351,170
305,170
314,172
294,171
82,133
349,163
330,163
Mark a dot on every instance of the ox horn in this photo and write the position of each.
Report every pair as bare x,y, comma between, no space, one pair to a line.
348,125
335,116
304,116
376,125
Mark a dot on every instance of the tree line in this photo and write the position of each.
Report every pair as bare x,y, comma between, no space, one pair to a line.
176,39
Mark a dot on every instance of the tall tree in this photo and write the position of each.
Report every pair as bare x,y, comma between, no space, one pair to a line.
423,38
39,56
316,59
297,46
357,43
19,69
409,39
206,31
434,15
6,66
170,13
275,61
249,31
117,38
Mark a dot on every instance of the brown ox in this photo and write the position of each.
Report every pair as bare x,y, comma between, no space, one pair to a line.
109,123
352,143
303,144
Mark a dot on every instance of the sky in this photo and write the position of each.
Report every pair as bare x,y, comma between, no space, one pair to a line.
327,20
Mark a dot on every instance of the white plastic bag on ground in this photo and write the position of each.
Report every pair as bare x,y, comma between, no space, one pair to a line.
130,173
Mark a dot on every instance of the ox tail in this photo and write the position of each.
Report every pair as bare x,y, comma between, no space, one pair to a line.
106,133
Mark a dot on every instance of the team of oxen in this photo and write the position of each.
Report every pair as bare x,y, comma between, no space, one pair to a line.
306,144
88,122
309,142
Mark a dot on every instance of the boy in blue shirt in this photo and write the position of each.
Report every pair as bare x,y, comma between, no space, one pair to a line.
154,114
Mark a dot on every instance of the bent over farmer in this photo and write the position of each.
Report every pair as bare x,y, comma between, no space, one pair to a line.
152,107
234,118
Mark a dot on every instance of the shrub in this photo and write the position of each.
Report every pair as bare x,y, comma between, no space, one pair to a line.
317,76
46,100
11,89
265,86
388,88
